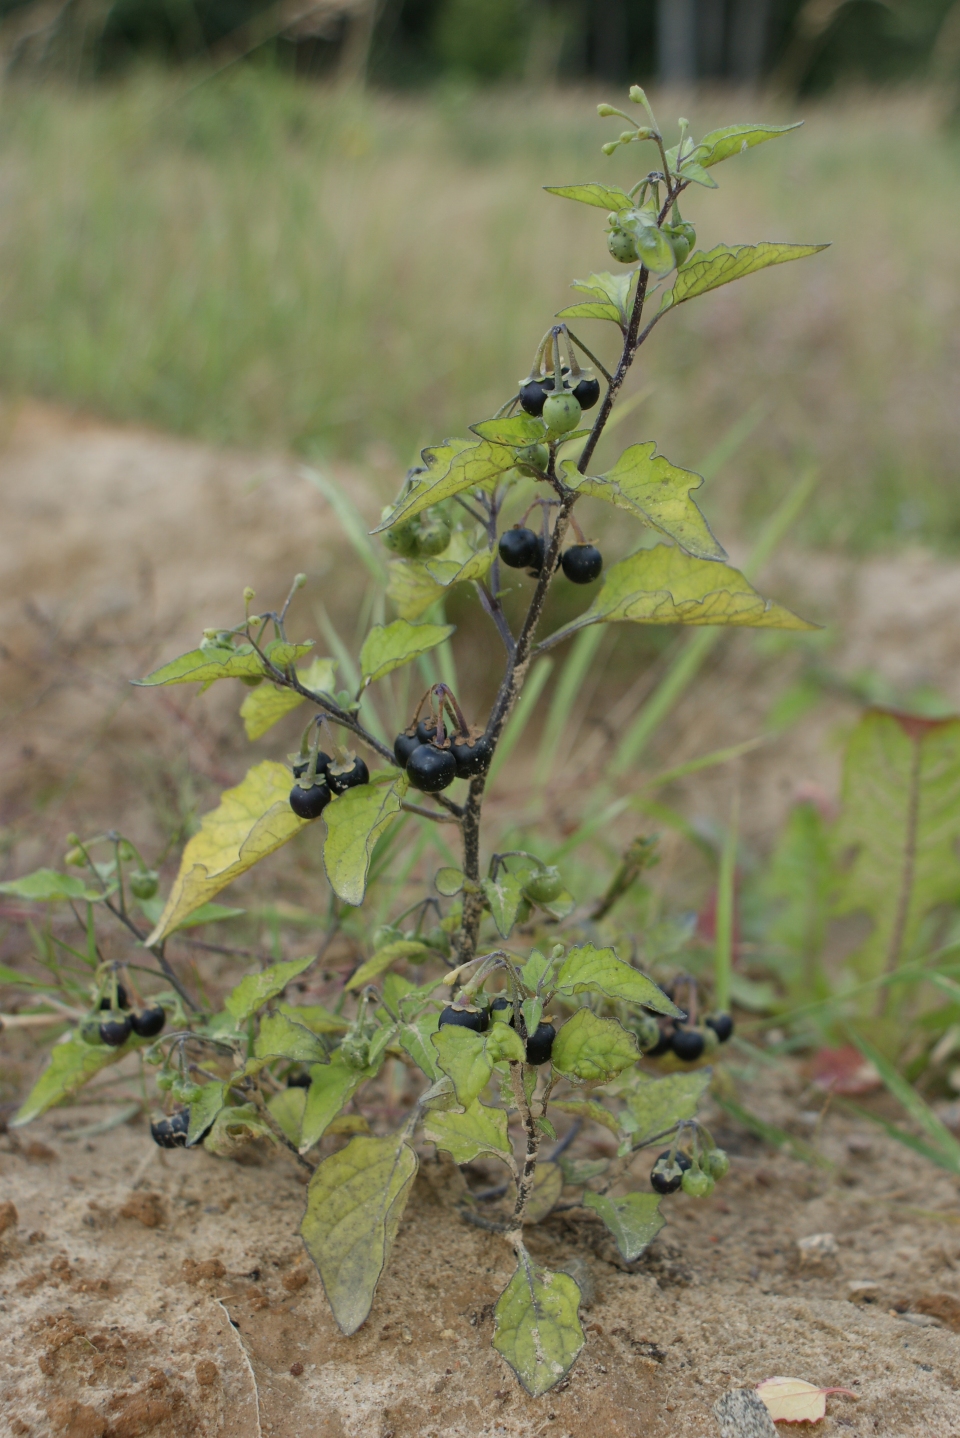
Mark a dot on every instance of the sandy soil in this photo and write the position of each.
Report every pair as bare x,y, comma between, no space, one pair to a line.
145,1292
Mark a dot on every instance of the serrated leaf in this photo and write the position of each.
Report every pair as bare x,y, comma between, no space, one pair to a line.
537,1326
46,886
547,1188
388,646
331,1086
203,666
464,1136
656,1104
255,990
900,820
591,1050
734,139
287,1107
663,585
450,468
282,1037
355,820
355,1202
268,703
204,1111
589,1108
515,430
709,270
599,971
383,958
415,1040
250,822
657,492
634,1220
504,894
72,1064
605,197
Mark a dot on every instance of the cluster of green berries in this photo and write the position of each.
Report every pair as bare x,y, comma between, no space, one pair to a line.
538,1045
634,235
423,537
122,1021
309,797
675,1169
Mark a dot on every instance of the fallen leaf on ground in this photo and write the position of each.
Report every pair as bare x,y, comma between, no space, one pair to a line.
844,1071
790,1400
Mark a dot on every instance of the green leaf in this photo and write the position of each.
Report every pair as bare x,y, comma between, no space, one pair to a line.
709,270
505,1044
72,1064
900,819
605,197
355,820
287,1107
234,1127
590,1050
331,1086
655,491
383,958
516,430
599,971
547,1187
254,991
448,881
634,1220
656,1104
206,914
450,468
468,1058
464,1136
923,1116
533,972
795,893
315,1017
355,1202
415,1040
652,244
504,894
536,1325
268,703
282,1037
46,886
204,1111
611,298
416,584
203,666
590,310
251,821
663,585
691,171
388,646
734,139
589,1108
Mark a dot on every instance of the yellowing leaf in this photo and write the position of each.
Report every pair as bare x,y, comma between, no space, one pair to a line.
250,822
451,467
634,1220
383,958
790,1400
591,1050
536,1325
716,267
590,970
648,486
355,820
282,1037
72,1064
287,1108
203,666
388,646
416,584
665,586
547,1188
479,1129
267,703
605,197
355,1202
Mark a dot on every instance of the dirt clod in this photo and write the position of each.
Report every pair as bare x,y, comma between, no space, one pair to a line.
76,1420
9,1218
147,1208
207,1373
207,1268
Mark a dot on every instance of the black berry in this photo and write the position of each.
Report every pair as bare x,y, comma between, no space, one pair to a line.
403,747
302,765
587,392
540,1044
426,731
533,395
123,1001
171,1132
148,1023
501,1003
300,1080
582,563
521,548
663,1045
472,756
358,773
115,1031
666,1176
722,1025
309,803
430,769
687,1044
476,1019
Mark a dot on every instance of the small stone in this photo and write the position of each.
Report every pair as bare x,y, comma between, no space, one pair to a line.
297,1278
296,1369
206,1372
817,1247
742,1413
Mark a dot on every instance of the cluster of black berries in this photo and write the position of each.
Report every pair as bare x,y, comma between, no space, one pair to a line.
537,388
689,1044
309,800
434,755
123,1022
523,548
676,1169
171,1132
539,1044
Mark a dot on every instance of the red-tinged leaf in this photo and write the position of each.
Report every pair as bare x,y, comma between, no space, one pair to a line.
791,1400
844,1071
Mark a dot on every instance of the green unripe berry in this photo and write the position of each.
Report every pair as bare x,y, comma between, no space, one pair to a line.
251,680
153,1056
561,413
403,539
90,1032
355,1051
76,858
535,455
697,1183
646,1029
682,237
166,1081
716,1163
545,886
623,247
144,884
185,1091
434,535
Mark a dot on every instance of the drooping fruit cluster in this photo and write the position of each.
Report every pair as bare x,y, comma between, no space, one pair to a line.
696,1173
423,537
319,778
538,388
121,1020
634,235
538,1045
523,548
686,1038
436,750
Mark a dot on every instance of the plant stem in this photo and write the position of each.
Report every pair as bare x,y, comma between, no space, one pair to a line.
525,1181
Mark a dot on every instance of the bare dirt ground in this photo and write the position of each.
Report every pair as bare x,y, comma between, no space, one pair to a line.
166,1294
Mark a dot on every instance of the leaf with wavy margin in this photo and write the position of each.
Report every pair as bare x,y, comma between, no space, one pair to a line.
537,1325
268,703
709,270
657,492
203,666
355,820
634,1220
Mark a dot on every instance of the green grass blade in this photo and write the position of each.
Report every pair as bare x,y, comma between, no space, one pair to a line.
536,679
921,1113
726,901
568,686
770,1133
728,443
908,1140
351,521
